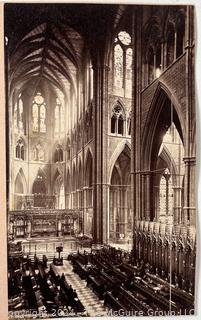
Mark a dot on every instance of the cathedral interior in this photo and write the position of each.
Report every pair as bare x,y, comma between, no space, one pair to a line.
101,140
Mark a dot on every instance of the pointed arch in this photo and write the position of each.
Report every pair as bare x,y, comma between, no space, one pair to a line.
20,182
158,121
168,158
119,149
116,176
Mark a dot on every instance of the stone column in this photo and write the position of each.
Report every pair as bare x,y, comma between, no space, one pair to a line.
143,195
148,198
136,160
177,204
189,191
100,127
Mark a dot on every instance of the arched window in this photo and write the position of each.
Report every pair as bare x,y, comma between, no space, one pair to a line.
19,116
170,44
166,193
59,118
42,118
117,120
120,125
129,58
58,157
19,150
122,68
39,114
118,66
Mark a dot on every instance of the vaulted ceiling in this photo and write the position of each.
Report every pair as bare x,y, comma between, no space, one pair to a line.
46,42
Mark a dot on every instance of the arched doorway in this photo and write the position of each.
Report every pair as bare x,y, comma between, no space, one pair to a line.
120,215
163,153
168,178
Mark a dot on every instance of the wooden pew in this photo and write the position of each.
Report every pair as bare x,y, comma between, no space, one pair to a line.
112,302
97,286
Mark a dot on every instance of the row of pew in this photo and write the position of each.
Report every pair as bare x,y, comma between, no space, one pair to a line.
34,287
124,286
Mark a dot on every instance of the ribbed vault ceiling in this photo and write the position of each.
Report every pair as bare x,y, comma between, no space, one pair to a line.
49,53
46,42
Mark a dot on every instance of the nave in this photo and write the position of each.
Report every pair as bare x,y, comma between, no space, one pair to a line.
101,149
93,282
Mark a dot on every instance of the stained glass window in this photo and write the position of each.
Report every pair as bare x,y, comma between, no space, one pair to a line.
118,66
124,37
18,116
35,117
122,68
166,193
163,196
20,123
129,55
42,118
39,114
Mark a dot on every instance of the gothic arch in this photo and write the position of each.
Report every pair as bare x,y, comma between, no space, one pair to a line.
119,102
156,123
121,146
167,157
20,182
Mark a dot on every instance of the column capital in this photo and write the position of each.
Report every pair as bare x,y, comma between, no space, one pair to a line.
188,160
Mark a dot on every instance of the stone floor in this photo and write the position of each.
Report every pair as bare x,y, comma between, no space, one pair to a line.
94,307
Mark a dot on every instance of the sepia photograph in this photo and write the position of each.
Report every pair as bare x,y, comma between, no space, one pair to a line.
100,159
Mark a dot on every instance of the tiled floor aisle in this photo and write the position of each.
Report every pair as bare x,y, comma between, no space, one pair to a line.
94,307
